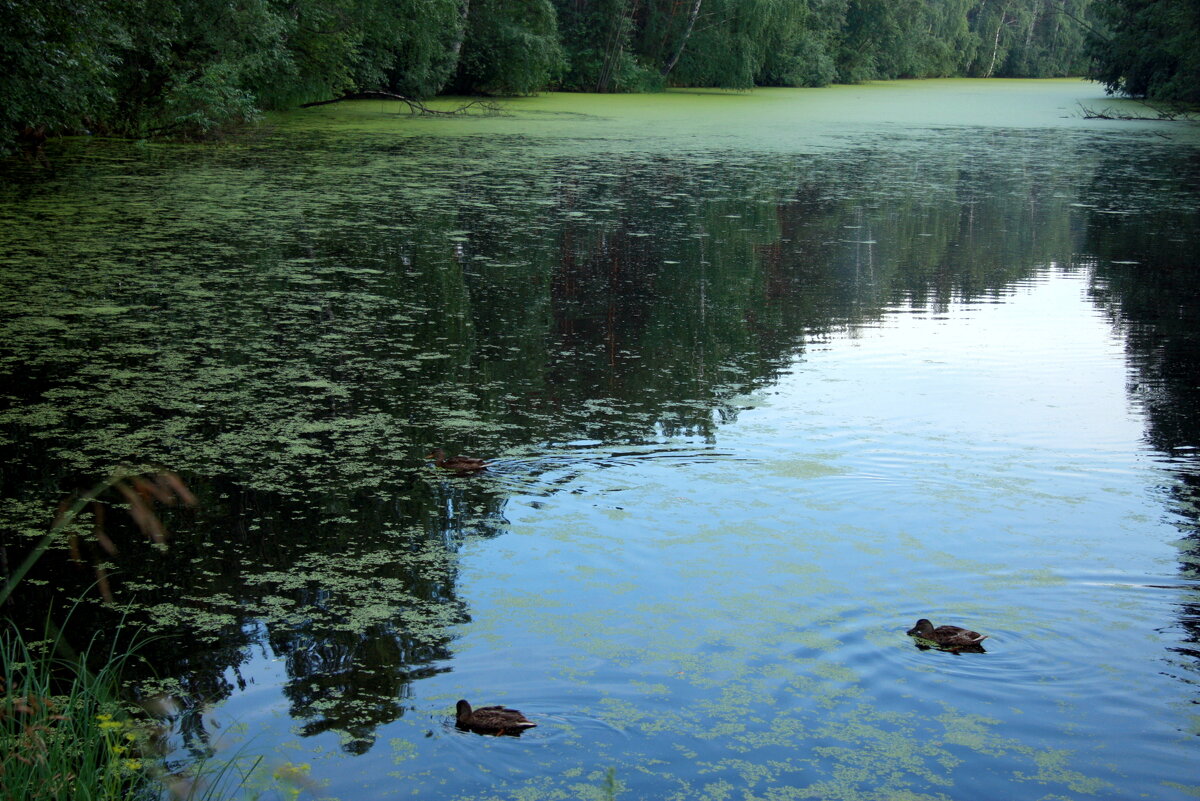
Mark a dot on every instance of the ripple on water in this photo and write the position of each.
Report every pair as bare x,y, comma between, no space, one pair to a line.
555,470
553,729
1054,652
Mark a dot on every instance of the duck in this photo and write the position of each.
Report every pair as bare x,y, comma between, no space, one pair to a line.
461,464
951,638
495,720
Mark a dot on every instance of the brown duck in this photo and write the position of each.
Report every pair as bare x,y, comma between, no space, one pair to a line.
459,464
495,720
951,638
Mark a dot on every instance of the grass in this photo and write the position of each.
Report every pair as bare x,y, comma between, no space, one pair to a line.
67,733
63,731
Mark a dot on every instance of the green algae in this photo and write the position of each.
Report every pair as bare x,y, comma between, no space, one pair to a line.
771,119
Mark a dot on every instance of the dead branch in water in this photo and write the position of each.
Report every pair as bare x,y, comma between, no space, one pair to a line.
487,107
1160,114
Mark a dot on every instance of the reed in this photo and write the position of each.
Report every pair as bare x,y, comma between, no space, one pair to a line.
138,489
64,733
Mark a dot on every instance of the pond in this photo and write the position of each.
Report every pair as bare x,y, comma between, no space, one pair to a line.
763,377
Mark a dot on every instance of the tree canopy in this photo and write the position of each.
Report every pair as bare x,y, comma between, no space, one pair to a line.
1147,48
151,67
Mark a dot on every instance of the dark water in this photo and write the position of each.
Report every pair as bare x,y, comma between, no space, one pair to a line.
753,412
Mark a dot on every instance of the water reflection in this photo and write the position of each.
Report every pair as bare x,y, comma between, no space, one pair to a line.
705,540
1143,243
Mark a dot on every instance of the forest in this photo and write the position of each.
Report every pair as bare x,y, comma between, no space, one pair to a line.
146,68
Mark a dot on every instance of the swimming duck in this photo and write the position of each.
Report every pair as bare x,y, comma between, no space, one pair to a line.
952,638
495,720
461,464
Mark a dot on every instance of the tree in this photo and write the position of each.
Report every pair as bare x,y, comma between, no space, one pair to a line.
1150,49
908,39
170,67
804,46
597,36
733,39
511,47
323,40
57,60
408,46
191,67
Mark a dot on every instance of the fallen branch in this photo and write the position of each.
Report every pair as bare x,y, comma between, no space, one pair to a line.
1160,114
489,107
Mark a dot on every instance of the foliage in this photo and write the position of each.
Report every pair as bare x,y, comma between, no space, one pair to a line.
803,53
1150,49
193,67
57,59
153,67
323,41
410,46
511,47
743,43
874,38
598,37
1045,34
731,46
66,732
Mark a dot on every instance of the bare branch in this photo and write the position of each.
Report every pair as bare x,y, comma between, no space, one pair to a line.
1160,114
487,107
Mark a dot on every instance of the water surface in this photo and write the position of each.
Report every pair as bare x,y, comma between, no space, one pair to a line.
765,376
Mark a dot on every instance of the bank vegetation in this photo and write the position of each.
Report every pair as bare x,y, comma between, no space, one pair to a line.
145,68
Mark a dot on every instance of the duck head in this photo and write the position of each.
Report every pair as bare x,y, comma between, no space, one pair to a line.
923,629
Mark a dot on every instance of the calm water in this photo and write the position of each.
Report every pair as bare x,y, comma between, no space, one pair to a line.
765,377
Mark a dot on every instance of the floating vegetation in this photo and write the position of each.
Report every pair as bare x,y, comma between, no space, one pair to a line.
691,574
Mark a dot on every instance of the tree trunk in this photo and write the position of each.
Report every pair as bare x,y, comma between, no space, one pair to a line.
456,45
687,32
615,44
1034,18
996,42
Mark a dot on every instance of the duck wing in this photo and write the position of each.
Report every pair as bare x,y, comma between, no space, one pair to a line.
955,635
500,713
947,638
462,463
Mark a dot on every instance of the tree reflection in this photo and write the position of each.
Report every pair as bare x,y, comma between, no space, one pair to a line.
1145,276
295,365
